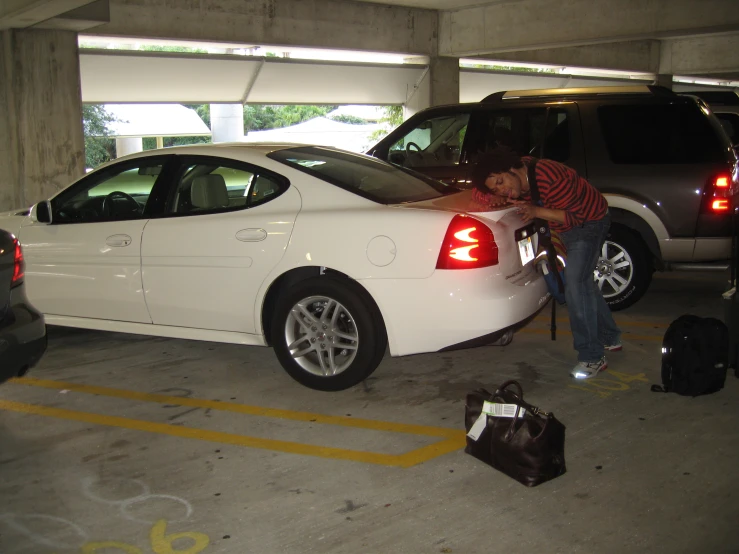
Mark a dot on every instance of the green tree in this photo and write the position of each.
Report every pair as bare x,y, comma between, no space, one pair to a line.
517,69
351,119
392,118
99,147
159,48
259,117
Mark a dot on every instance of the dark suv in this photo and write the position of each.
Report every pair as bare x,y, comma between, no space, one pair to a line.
661,159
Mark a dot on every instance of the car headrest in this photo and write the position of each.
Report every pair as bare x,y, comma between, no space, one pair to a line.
209,192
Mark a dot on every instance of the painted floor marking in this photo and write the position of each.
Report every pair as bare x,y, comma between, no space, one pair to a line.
453,439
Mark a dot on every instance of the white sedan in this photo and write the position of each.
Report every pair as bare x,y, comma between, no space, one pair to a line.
327,256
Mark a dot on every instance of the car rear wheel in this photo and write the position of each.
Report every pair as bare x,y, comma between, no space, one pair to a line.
328,334
624,269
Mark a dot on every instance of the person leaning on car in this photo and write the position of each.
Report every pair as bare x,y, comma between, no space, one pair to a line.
578,212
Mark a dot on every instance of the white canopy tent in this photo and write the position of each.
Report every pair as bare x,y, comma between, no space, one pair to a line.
322,131
155,120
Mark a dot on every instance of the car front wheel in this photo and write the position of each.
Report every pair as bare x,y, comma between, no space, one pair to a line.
624,269
328,334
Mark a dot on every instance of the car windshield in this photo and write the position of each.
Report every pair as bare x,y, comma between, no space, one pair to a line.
365,176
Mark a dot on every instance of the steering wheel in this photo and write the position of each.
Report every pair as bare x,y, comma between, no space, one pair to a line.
408,147
107,207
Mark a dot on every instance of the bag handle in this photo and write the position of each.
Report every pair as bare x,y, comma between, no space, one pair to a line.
519,397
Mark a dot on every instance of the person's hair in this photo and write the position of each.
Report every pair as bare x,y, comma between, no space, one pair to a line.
498,160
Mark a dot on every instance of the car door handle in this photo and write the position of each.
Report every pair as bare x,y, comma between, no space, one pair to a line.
251,235
118,240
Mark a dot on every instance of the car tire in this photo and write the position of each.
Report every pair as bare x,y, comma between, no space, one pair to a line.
624,269
328,333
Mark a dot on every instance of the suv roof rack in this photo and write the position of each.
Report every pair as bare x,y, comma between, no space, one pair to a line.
583,91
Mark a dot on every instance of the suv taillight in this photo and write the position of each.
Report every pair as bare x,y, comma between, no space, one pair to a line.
468,244
19,265
716,195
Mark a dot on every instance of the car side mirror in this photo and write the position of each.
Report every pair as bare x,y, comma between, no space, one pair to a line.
41,212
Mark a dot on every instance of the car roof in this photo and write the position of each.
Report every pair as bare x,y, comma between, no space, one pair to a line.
262,148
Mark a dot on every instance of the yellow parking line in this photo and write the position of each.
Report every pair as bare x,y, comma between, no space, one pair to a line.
344,421
629,336
403,460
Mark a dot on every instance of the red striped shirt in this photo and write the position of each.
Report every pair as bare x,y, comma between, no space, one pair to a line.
561,188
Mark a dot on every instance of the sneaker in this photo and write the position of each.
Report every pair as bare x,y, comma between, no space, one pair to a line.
613,347
585,370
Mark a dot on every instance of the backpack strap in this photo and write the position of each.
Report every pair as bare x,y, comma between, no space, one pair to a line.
545,239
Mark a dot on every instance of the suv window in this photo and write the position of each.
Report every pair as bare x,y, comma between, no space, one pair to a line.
208,186
367,177
536,132
659,134
730,123
435,142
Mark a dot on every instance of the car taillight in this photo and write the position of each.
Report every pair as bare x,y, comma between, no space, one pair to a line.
720,206
468,244
19,265
716,195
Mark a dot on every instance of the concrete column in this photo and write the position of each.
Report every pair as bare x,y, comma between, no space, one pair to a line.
126,146
438,86
41,142
227,122
664,81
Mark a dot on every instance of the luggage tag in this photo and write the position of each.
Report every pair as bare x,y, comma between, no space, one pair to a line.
495,410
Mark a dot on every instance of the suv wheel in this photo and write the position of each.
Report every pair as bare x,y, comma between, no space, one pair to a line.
624,268
328,334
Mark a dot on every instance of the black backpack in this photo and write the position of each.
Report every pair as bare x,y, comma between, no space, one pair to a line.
695,356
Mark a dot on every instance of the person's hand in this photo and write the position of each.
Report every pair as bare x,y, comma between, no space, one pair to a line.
526,210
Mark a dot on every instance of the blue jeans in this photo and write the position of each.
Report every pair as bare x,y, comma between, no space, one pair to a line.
591,321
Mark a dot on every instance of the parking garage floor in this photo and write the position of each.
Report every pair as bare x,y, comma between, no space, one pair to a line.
137,445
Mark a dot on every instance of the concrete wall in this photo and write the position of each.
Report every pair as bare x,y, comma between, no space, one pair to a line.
41,113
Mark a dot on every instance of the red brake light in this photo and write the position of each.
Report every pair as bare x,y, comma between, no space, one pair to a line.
720,205
468,244
716,195
19,264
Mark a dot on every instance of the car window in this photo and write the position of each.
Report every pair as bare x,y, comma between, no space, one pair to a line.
118,192
368,177
659,134
435,142
209,186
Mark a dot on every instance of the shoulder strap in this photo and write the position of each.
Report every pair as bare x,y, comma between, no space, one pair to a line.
545,238
533,185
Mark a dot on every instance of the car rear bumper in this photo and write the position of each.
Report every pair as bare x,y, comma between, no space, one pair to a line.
455,308
22,337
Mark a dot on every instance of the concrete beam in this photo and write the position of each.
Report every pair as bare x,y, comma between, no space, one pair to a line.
540,24
307,23
19,14
81,19
701,55
641,56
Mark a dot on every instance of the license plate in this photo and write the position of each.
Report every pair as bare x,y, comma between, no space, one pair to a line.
526,250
